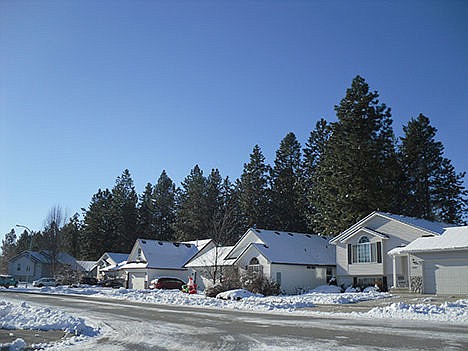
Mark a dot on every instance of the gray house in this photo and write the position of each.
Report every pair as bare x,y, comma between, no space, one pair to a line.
32,265
438,264
361,250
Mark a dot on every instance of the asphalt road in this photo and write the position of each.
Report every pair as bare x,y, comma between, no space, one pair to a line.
139,326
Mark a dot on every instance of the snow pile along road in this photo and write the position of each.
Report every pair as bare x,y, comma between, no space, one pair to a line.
455,312
25,316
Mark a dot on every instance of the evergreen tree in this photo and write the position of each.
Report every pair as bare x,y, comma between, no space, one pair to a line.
164,196
72,236
288,201
191,222
313,153
253,191
8,250
147,214
124,206
358,171
98,234
431,188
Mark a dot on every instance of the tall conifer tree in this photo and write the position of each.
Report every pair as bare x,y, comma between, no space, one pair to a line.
253,191
357,174
164,196
287,193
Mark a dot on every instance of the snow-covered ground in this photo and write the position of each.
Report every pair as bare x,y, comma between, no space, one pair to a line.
24,316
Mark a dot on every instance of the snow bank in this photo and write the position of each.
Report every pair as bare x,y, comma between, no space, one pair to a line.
456,312
17,345
327,289
236,294
25,316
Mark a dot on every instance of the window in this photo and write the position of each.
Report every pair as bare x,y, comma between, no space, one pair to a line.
278,277
254,266
364,251
18,267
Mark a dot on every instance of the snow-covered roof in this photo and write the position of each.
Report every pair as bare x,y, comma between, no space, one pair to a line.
429,227
293,248
435,227
87,266
160,254
214,256
200,244
117,257
453,238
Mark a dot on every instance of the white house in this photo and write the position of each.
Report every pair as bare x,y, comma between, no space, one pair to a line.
150,259
210,265
361,250
297,261
438,264
109,264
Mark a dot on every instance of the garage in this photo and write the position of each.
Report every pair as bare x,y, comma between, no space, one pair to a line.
136,280
446,276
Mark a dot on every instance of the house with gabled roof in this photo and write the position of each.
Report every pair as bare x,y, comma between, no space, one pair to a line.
438,264
151,259
296,261
109,264
210,265
362,250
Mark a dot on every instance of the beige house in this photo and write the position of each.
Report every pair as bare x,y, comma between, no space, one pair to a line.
361,250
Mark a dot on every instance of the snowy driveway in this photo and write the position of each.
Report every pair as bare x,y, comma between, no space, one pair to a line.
128,325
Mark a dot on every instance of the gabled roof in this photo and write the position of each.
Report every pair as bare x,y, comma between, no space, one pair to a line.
429,227
44,257
87,266
292,248
160,254
453,238
117,257
213,257
200,244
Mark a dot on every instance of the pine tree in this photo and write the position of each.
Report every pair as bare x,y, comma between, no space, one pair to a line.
358,171
146,226
71,233
288,201
164,196
191,220
8,250
99,228
253,191
313,153
124,206
431,188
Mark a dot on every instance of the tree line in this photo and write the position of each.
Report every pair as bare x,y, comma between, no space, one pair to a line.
345,170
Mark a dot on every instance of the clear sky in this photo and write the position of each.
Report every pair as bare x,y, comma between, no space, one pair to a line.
89,88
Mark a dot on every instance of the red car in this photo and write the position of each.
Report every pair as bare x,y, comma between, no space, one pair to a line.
166,283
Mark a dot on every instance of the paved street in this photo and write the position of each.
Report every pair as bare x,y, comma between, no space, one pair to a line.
138,326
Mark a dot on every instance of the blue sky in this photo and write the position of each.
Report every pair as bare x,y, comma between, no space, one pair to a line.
89,88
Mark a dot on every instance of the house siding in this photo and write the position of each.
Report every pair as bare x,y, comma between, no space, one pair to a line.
296,279
399,234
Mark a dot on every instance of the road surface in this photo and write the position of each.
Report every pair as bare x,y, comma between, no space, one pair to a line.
139,326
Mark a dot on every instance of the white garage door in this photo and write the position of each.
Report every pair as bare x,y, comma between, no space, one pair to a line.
446,277
137,280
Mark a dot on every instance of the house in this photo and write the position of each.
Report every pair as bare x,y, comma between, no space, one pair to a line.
210,265
150,259
33,265
296,261
88,268
361,250
438,264
109,264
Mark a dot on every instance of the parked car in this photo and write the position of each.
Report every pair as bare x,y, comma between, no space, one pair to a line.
45,282
166,283
111,283
7,281
88,280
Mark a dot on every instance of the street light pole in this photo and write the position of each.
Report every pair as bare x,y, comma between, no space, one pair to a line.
30,247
